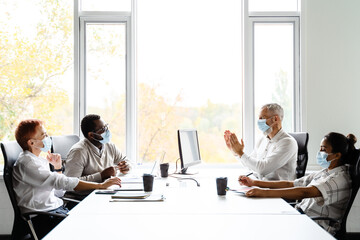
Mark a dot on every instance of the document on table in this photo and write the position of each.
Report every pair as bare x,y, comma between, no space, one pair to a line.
129,183
151,198
131,179
130,195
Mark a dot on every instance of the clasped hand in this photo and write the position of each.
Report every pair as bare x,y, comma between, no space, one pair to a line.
123,166
111,171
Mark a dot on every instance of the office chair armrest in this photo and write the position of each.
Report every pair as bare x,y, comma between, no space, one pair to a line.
29,215
292,204
332,221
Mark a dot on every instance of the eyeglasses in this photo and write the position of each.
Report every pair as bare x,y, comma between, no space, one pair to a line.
103,129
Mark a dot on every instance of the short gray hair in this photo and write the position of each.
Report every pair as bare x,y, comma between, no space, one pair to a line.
275,109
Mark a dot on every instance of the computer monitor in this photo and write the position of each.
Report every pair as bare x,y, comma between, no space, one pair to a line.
188,148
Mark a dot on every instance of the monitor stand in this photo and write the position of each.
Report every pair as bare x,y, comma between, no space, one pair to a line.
184,171
186,178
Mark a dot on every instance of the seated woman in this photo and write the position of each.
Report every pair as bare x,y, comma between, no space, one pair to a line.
34,183
324,193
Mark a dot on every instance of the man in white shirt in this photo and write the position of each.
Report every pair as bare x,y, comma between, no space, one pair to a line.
95,158
275,154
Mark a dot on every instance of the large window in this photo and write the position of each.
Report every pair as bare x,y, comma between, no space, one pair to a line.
36,65
272,57
104,83
105,74
150,68
189,75
274,65
274,5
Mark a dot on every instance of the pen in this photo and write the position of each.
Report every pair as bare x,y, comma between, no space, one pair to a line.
249,174
229,189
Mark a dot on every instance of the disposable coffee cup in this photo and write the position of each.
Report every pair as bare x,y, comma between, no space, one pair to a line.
148,181
221,184
164,168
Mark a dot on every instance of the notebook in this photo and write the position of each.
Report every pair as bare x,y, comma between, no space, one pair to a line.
130,195
151,198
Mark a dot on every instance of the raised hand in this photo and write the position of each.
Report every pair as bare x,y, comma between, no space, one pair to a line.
236,146
227,134
54,159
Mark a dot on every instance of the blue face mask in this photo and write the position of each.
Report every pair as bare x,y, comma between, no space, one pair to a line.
106,137
262,125
47,144
321,159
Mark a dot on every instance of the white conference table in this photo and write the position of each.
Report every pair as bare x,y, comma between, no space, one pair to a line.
187,226
186,198
188,212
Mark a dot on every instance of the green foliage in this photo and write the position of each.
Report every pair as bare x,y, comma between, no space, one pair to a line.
159,122
31,64
34,54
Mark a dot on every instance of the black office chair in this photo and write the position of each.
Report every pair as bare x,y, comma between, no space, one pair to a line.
302,139
22,227
62,144
355,178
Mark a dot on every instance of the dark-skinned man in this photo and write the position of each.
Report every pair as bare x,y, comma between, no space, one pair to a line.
95,158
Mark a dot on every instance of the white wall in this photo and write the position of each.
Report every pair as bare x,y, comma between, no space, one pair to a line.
331,74
330,68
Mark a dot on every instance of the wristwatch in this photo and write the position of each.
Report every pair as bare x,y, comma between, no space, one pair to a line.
60,169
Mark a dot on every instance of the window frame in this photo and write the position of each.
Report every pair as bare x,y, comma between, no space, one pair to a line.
248,113
81,18
250,18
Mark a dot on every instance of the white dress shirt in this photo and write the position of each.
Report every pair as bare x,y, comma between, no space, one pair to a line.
35,185
335,188
273,159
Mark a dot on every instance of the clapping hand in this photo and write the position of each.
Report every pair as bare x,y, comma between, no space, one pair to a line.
233,143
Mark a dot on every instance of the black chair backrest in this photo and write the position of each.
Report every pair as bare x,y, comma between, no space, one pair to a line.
62,144
11,151
355,184
302,139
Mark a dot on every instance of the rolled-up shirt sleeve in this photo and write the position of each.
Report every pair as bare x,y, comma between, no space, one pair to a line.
333,190
274,160
304,181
